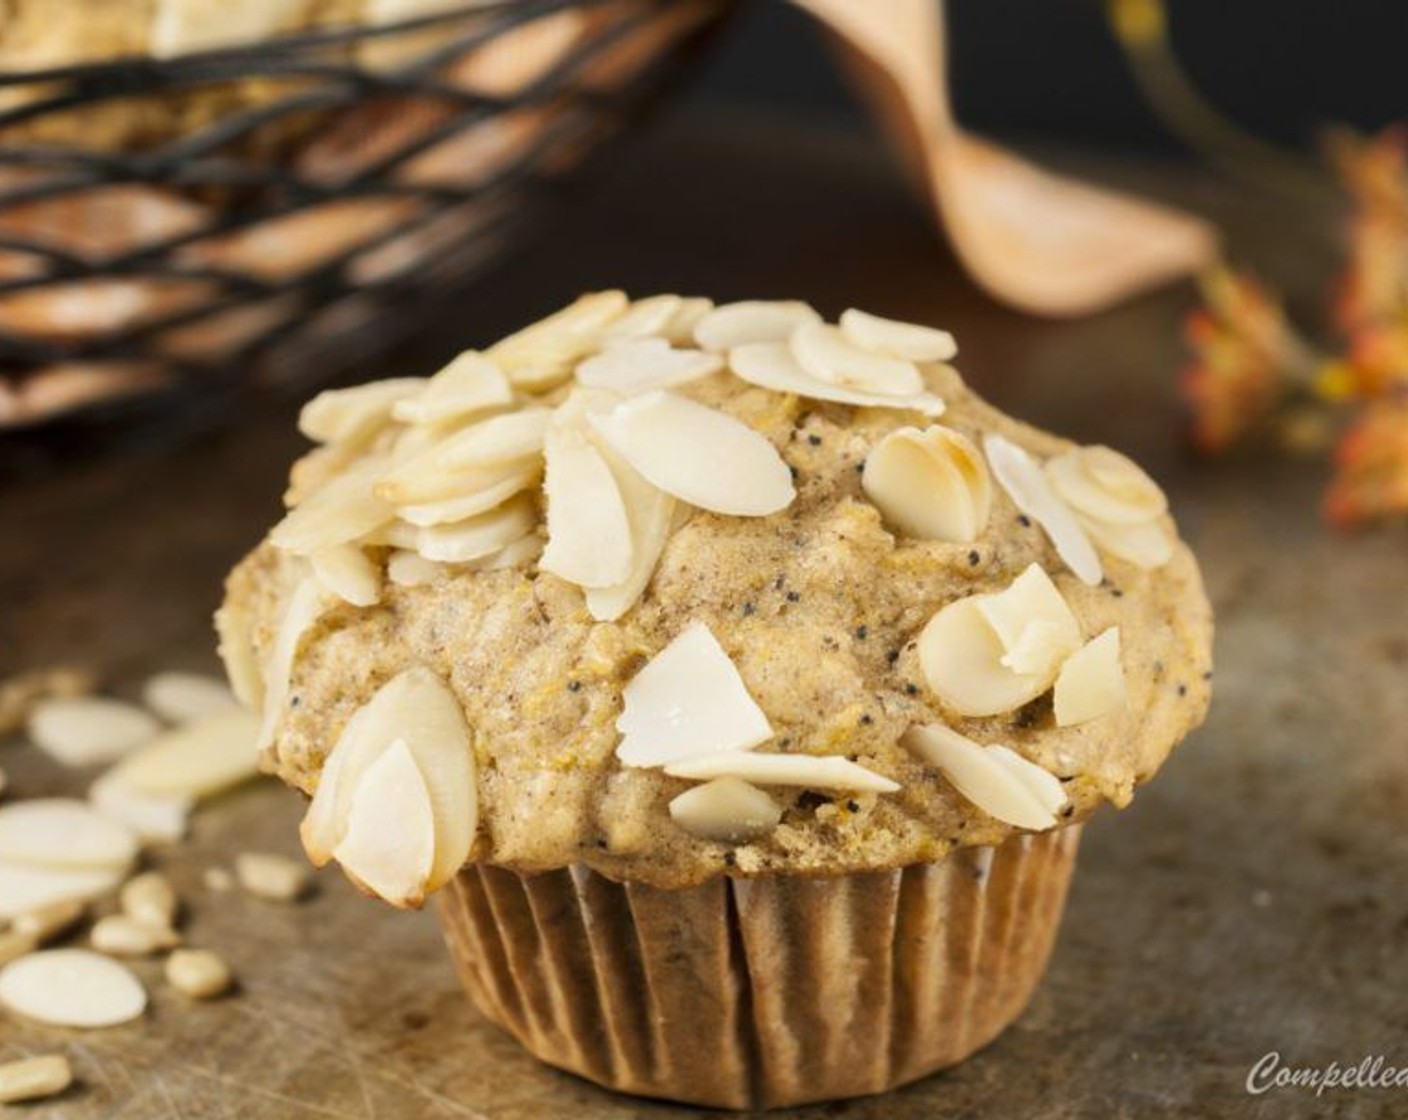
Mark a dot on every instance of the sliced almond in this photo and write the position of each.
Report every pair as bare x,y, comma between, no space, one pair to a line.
198,973
72,988
411,569
470,383
930,484
25,887
121,936
196,760
343,510
701,456
1091,682
1029,490
688,700
235,628
542,354
419,709
807,771
274,878
423,477
995,779
651,513
51,921
388,843
1147,546
34,1079
1033,622
961,657
160,820
738,324
640,365
589,533
352,416
498,439
497,485
150,898
524,550
896,339
645,318
347,572
828,355
84,730
478,536
65,834
179,697
1102,484
305,606
770,365
726,810
679,331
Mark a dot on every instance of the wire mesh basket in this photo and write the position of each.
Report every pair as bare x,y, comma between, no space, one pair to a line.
187,230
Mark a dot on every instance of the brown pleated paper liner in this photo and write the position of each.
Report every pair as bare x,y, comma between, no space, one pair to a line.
762,993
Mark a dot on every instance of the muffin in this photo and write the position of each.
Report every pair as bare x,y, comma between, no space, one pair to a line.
740,681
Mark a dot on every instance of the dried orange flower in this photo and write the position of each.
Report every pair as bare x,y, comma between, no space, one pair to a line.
1245,352
1374,171
1371,466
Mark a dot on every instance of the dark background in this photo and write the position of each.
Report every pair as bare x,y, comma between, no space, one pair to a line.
1051,68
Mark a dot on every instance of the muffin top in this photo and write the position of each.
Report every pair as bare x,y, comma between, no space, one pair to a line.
675,590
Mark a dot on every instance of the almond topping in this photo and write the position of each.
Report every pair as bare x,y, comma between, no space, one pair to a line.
930,484
499,439
688,700
343,510
996,779
83,730
305,607
470,383
234,627
589,533
478,536
640,365
895,339
72,988
650,512
346,571
352,416
679,331
726,810
1103,484
1033,622
645,317
64,834
1026,485
181,697
738,324
809,771
543,353
701,456
1146,546
411,569
828,355
1091,683
493,486
770,365
388,843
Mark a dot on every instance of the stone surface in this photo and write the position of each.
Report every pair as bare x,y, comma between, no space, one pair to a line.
1254,898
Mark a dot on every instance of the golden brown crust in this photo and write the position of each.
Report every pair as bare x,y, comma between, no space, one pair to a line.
818,606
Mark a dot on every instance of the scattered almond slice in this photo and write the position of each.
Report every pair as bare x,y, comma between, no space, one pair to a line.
415,707
542,354
478,536
828,355
1033,622
196,760
33,1079
51,921
346,571
651,513
72,988
508,480
1147,546
995,779
589,533
411,569
64,834
352,416
274,878
688,700
25,887
388,843
498,439
1091,682
118,935
160,820
808,771
679,331
198,973
234,627
1100,483
770,365
423,477
180,697
343,510
1026,485
896,339
640,365
305,607
930,484
647,317
84,730
738,324
699,455
470,383
727,810
961,658
150,898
